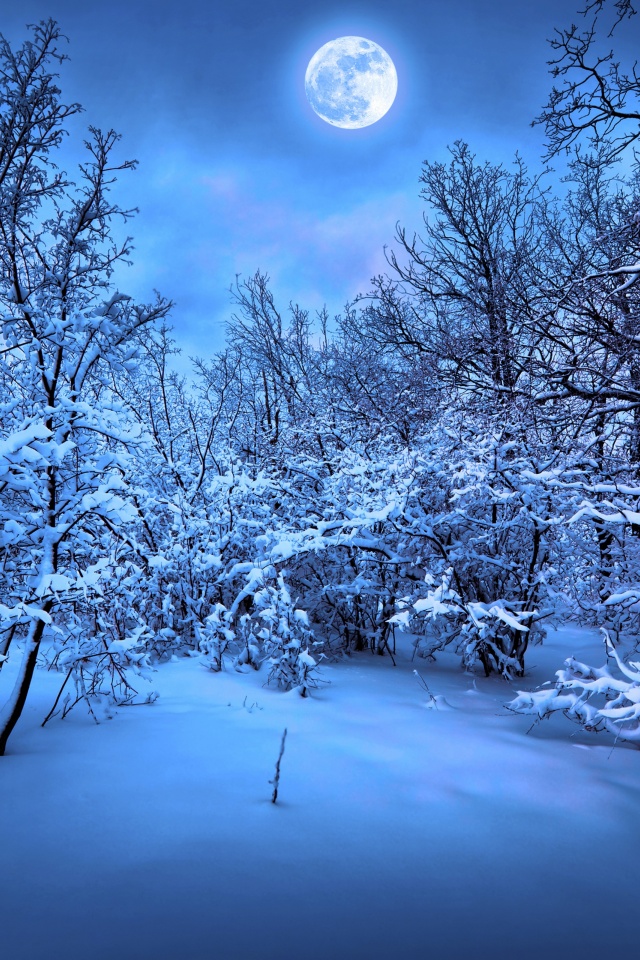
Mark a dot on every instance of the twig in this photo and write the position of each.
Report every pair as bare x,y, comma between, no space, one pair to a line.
53,708
423,683
386,643
276,779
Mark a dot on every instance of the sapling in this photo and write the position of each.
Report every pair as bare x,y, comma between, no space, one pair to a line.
276,778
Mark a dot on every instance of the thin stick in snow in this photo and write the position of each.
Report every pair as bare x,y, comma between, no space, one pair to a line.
423,683
276,779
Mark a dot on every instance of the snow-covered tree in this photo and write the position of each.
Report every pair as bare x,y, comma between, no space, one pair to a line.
67,442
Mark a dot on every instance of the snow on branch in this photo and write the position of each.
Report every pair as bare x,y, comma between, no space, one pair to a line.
591,696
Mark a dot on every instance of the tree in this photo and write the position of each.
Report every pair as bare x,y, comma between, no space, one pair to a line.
598,98
466,292
67,441
594,382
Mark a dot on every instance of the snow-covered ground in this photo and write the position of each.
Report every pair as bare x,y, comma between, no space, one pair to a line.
402,830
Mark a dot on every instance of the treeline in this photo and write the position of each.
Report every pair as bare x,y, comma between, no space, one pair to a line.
456,455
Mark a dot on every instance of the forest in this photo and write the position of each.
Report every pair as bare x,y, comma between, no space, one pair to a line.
454,460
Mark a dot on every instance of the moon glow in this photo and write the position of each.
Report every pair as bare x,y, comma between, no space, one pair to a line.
351,82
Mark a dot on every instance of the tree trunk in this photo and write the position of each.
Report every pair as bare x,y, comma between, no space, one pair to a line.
13,709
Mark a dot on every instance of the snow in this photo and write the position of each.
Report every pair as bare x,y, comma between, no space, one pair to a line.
411,822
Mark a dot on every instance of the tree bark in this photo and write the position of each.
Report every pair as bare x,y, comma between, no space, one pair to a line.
13,709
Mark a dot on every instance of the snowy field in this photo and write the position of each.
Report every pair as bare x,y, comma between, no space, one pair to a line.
402,830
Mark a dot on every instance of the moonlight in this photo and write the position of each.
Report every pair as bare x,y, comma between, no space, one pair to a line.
351,82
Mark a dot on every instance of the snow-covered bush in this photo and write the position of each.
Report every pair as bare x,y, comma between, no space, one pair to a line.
275,631
285,636
217,636
98,674
593,697
480,529
481,630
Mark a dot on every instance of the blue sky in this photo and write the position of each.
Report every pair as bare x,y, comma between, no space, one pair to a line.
238,173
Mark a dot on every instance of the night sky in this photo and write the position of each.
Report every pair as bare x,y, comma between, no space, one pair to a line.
238,173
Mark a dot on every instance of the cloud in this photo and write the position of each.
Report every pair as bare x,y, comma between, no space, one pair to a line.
313,249
202,223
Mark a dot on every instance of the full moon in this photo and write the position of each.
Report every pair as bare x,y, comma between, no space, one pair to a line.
351,82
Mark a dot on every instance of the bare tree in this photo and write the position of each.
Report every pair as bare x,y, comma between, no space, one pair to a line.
465,293
598,98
